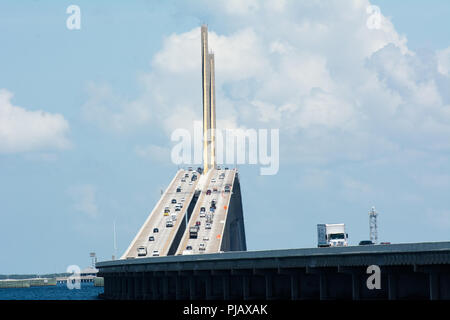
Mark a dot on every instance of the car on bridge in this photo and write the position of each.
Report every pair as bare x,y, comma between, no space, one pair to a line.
151,238
155,253
202,247
155,230
179,189
174,200
142,251
208,192
365,242
208,225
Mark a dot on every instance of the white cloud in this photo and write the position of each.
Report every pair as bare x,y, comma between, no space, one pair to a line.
154,152
22,130
443,57
314,70
84,197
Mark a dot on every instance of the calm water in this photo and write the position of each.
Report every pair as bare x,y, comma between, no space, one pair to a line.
58,292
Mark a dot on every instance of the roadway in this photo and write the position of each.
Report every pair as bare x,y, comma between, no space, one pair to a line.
210,239
157,218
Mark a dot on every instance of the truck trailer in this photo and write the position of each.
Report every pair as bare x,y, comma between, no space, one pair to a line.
332,235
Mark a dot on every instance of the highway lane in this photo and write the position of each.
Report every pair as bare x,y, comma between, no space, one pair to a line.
157,219
210,238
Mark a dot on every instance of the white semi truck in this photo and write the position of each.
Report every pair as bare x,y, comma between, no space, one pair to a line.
332,235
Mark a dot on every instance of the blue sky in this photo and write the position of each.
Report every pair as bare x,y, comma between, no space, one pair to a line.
86,117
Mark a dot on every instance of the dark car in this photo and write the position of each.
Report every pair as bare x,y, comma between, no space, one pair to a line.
155,230
365,242
385,243
189,248
197,223
202,209
174,200
151,238
208,192
194,177
179,189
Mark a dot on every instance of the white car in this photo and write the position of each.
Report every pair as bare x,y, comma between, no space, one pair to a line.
142,251
202,247
213,180
190,183
205,238
155,253
208,225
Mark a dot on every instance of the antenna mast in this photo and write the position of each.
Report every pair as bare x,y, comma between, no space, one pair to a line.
373,225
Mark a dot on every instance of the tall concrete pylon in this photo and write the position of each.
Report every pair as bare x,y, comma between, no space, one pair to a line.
209,104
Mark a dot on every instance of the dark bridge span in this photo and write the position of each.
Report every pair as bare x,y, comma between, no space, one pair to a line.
408,271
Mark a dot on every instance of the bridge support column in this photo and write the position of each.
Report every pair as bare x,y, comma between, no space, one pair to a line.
269,286
355,286
165,288
191,288
144,286
226,287
154,283
323,286
434,285
392,286
116,287
130,293
294,287
245,287
137,287
124,286
208,291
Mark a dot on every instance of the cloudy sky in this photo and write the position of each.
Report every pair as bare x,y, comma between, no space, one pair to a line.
362,103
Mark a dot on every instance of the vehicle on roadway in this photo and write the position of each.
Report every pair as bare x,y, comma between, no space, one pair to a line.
151,238
166,213
189,248
169,223
202,209
193,232
202,214
155,230
385,243
208,225
205,238
332,235
179,189
365,242
202,247
155,253
174,200
197,223
208,192
183,180
142,251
